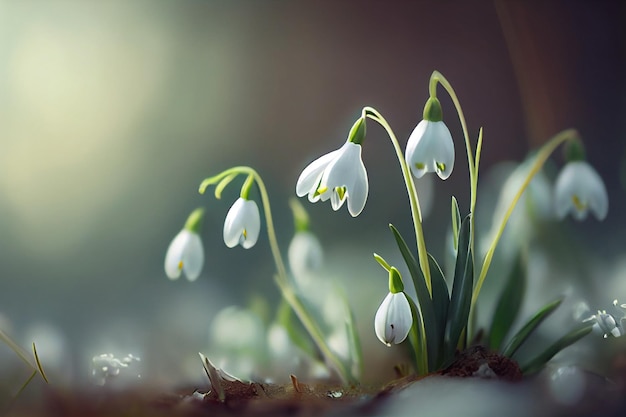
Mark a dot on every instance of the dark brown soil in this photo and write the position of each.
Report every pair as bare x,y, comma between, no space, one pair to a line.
258,399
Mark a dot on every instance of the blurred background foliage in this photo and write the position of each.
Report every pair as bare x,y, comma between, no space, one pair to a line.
111,113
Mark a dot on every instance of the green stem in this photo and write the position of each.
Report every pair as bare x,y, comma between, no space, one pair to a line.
420,342
472,161
373,114
542,156
281,277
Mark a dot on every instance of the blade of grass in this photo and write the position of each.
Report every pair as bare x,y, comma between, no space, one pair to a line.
529,327
509,303
460,299
570,338
441,297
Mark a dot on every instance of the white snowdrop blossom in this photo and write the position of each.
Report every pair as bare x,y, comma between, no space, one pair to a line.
339,176
393,319
609,324
305,254
430,149
242,224
579,189
185,254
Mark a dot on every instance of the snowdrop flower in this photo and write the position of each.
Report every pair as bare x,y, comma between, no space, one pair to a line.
305,254
606,324
430,147
339,175
185,253
578,189
242,224
393,319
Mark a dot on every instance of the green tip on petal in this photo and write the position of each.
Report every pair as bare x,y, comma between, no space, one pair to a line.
432,110
194,221
357,133
574,150
395,281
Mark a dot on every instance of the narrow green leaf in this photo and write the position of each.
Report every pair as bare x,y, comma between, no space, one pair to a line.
38,362
456,222
529,327
423,297
509,304
418,340
296,332
570,338
441,297
460,299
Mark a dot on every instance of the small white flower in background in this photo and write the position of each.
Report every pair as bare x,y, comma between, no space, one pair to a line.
579,189
242,224
186,253
608,324
430,147
393,319
106,366
305,255
339,175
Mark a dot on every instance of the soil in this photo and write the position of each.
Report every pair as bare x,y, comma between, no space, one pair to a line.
259,399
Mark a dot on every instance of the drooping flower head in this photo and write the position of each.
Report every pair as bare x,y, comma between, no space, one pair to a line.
607,323
339,175
242,224
393,319
430,147
580,189
185,253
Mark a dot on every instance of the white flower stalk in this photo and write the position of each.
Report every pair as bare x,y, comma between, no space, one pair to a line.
242,224
580,189
186,253
339,175
430,147
393,319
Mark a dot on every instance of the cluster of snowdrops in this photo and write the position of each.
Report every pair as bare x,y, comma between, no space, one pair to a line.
438,319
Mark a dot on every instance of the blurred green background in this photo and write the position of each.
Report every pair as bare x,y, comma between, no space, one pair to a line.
111,113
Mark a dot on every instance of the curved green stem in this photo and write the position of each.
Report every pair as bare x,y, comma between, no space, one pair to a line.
372,113
281,277
544,153
472,161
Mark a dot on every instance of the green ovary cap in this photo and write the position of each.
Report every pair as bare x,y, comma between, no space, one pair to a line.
194,221
395,281
432,110
357,132
574,151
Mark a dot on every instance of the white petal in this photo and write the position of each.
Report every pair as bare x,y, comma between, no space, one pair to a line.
309,179
242,224
393,319
429,146
193,258
185,253
346,171
579,180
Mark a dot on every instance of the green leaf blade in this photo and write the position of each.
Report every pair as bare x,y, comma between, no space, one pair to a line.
570,338
441,297
460,299
529,327
509,304
423,297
